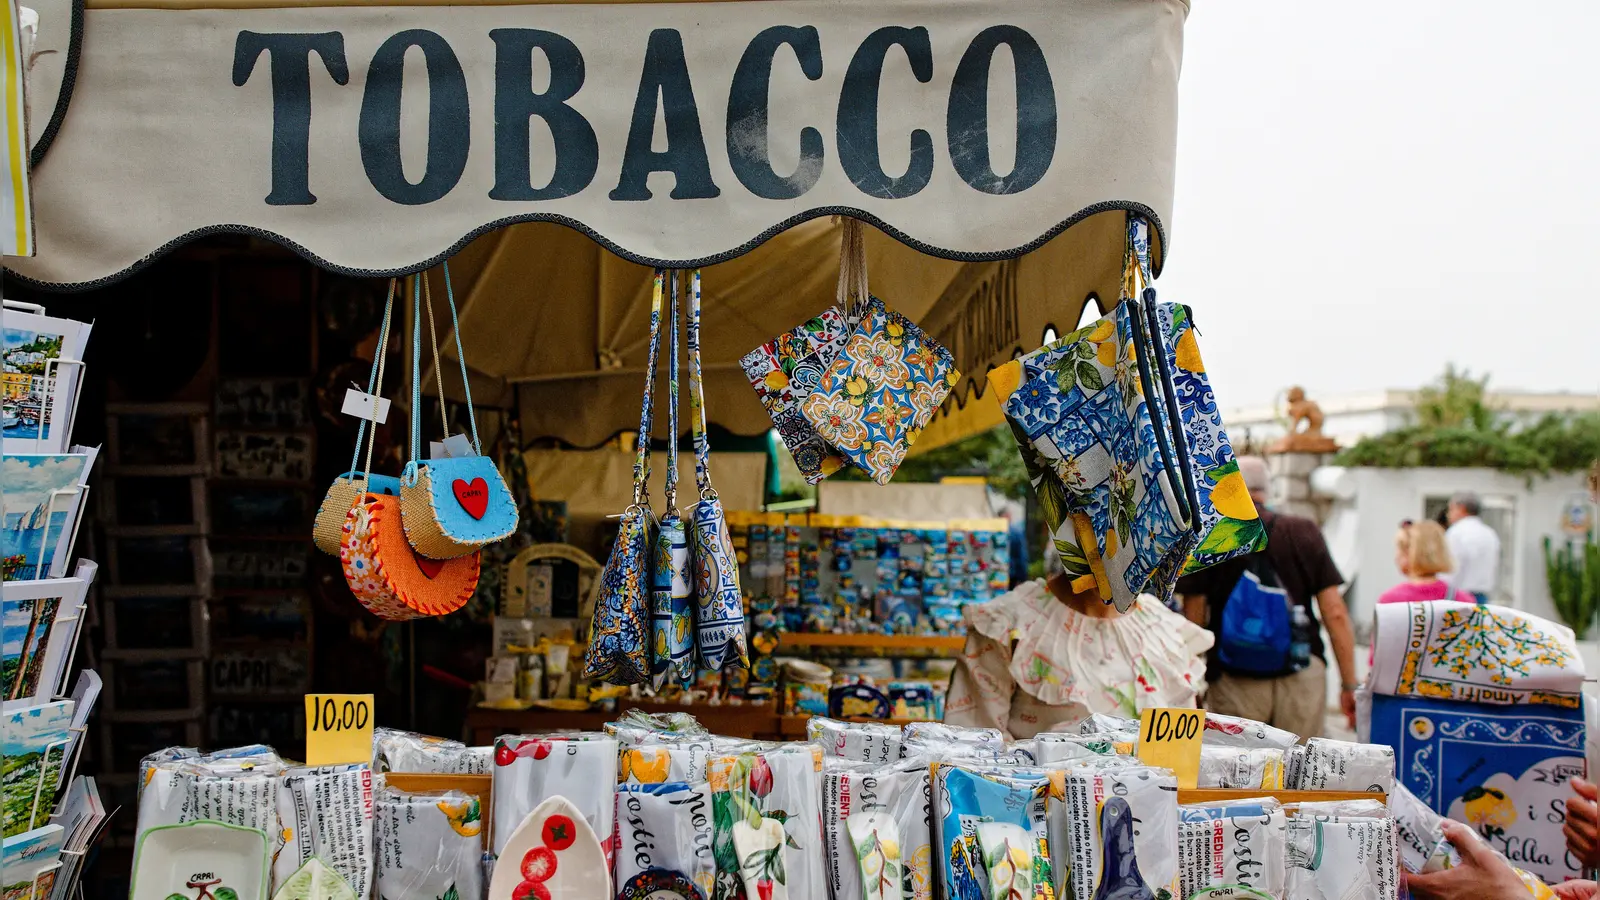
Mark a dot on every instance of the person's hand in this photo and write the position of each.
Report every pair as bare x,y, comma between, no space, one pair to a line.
1583,823
1482,872
1347,703
1576,890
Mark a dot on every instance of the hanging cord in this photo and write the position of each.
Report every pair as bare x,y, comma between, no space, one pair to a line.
671,487
851,293
433,344
641,460
697,398
372,379
461,357
408,476
381,357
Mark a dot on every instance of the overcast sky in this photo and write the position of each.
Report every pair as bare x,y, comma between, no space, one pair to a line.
1367,190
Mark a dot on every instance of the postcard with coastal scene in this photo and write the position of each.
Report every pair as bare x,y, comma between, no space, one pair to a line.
38,625
35,746
41,496
37,396
27,861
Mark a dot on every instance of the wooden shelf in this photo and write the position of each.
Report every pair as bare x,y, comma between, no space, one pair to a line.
872,644
1215,795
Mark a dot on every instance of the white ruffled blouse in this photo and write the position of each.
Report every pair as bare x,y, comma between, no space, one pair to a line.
1033,664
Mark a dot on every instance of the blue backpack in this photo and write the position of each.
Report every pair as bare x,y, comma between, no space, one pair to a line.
1256,629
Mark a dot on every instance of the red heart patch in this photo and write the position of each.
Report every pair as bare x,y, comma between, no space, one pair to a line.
430,567
472,495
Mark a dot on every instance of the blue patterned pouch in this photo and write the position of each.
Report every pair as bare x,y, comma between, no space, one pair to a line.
671,621
619,632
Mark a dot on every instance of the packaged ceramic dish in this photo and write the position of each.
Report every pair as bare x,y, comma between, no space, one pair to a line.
964,798
1351,858
1241,843
664,831
1238,768
1332,765
868,811
858,741
428,844
1121,824
326,812
529,768
767,806
407,751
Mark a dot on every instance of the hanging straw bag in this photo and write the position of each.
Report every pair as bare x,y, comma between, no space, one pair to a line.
885,384
671,618
327,532
383,570
1098,429
454,506
619,632
719,606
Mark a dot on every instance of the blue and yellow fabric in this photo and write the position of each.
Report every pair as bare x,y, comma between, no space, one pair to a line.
718,605
619,632
671,621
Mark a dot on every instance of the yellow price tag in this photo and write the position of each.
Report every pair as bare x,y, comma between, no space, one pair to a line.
1170,738
338,729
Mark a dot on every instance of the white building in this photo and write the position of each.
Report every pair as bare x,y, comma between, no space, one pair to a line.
1347,418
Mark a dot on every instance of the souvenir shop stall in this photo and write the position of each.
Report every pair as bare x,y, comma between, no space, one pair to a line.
908,200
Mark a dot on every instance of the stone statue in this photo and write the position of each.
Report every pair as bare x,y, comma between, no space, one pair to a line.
1311,440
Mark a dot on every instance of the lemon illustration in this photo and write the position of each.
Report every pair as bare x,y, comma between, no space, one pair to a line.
1005,379
1489,809
464,817
776,380
1189,353
1107,354
1112,544
1102,330
649,766
1232,498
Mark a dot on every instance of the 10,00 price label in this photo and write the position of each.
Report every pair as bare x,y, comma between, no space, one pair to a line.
1170,738
338,729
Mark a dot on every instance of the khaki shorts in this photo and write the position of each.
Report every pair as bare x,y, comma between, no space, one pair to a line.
1297,703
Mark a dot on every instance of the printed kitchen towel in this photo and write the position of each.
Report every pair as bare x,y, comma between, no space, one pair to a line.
1446,650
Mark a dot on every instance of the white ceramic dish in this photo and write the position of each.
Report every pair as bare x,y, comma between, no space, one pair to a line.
552,855
199,860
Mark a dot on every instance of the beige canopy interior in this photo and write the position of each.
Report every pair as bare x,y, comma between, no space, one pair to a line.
558,326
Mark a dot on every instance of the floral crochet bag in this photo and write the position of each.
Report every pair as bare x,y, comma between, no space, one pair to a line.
327,532
384,572
886,383
619,632
454,506
671,618
718,610
787,369
1106,452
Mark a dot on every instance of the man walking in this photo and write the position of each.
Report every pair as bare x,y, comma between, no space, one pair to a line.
1294,697
1474,546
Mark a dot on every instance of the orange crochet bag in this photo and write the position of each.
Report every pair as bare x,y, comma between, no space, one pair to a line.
391,579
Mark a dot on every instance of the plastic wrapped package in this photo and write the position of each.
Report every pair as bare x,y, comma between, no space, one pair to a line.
636,727
1239,768
1233,731
1294,766
580,766
1342,858
852,792
666,827
428,844
857,741
1332,765
1121,825
407,751
781,782
1239,843
1051,747
1418,828
178,788
936,738
326,812
1102,723
681,761
965,802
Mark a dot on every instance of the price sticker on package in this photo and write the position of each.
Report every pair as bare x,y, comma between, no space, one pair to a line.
1170,738
338,729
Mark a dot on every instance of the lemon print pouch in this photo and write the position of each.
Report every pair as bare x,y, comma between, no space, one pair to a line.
428,844
664,837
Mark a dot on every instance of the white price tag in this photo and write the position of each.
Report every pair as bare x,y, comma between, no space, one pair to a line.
363,405
456,446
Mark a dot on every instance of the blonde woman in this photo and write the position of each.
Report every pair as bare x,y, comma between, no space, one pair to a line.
1422,554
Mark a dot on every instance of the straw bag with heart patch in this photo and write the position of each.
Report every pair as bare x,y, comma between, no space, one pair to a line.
455,505
328,530
619,632
384,572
